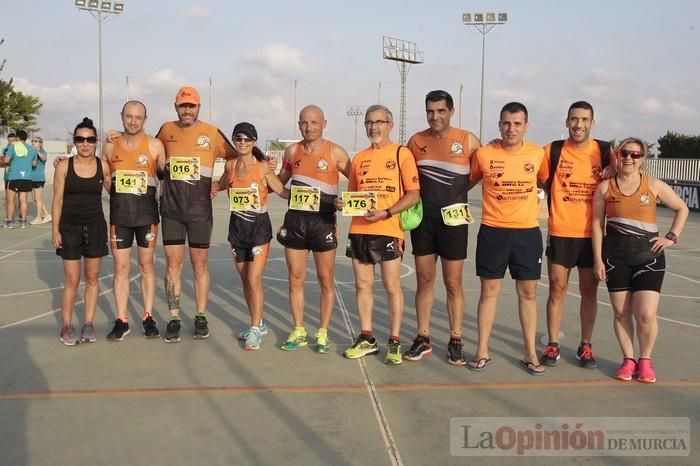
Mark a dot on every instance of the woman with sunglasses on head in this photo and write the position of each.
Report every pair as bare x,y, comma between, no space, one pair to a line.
38,181
248,179
629,257
79,227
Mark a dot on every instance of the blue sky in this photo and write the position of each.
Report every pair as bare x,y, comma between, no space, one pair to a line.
637,62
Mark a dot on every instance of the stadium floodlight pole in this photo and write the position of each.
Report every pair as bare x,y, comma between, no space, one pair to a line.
405,54
100,10
211,85
356,112
483,22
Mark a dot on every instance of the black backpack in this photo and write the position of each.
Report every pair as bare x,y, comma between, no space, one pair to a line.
555,154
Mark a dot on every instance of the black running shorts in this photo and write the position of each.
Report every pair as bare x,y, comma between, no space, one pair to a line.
373,249
434,237
197,234
518,249
83,240
570,252
123,237
313,232
20,186
623,277
38,184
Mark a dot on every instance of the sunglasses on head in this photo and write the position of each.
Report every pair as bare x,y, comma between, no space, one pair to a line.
83,139
635,154
241,138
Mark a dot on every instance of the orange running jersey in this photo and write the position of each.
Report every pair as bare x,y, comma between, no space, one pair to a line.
189,200
375,170
571,195
317,170
509,184
253,180
128,209
443,167
633,215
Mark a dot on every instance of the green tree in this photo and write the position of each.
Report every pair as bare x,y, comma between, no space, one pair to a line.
679,146
18,110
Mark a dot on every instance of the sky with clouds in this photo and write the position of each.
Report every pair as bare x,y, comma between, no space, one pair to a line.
637,62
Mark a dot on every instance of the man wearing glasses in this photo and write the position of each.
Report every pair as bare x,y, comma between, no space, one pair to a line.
312,165
38,182
389,171
580,169
442,155
191,148
134,157
21,158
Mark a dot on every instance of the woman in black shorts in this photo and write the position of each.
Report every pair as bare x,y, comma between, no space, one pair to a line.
630,257
248,180
79,227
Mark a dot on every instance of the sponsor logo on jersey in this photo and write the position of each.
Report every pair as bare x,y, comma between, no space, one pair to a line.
143,160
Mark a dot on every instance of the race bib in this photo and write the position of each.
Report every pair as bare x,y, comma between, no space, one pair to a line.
306,198
456,214
131,182
184,168
242,199
358,203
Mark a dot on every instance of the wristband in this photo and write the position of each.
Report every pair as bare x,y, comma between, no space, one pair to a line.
388,213
672,236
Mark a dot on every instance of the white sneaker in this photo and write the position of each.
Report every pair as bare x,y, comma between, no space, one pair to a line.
37,221
46,219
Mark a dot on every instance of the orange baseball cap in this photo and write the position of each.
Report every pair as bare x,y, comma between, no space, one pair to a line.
187,95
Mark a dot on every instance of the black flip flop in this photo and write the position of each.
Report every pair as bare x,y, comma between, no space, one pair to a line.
478,365
531,368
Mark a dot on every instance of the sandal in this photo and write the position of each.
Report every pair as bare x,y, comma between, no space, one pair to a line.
478,365
532,368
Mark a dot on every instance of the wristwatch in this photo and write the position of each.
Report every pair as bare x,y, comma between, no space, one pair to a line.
388,213
672,236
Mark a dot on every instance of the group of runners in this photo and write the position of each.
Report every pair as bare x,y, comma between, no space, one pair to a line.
587,181
25,166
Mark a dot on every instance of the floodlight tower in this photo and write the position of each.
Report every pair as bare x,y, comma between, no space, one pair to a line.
100,10
356,112
483,22
404,53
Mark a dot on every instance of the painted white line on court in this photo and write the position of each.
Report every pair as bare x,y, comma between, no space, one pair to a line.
23,293
9,255
679,322
683,277
28,240
382,420
54,311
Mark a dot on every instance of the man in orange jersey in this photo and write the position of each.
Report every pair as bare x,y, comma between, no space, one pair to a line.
312,165
442,155
388,170
134,157
191,148
577,175
509,236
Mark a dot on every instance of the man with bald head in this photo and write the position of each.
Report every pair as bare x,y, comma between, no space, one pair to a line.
133,157
312,165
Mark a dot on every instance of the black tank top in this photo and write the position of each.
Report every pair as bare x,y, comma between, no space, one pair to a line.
82,197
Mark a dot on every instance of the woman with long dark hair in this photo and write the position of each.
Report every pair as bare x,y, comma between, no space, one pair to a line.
79,228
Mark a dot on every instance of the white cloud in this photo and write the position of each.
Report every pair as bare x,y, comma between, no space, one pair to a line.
679,110
195,11
650,106
281,58
522,73
511,95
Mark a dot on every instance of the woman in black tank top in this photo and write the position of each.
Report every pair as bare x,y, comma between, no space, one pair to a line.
79,228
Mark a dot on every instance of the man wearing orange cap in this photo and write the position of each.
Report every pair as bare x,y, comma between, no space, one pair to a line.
191,148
